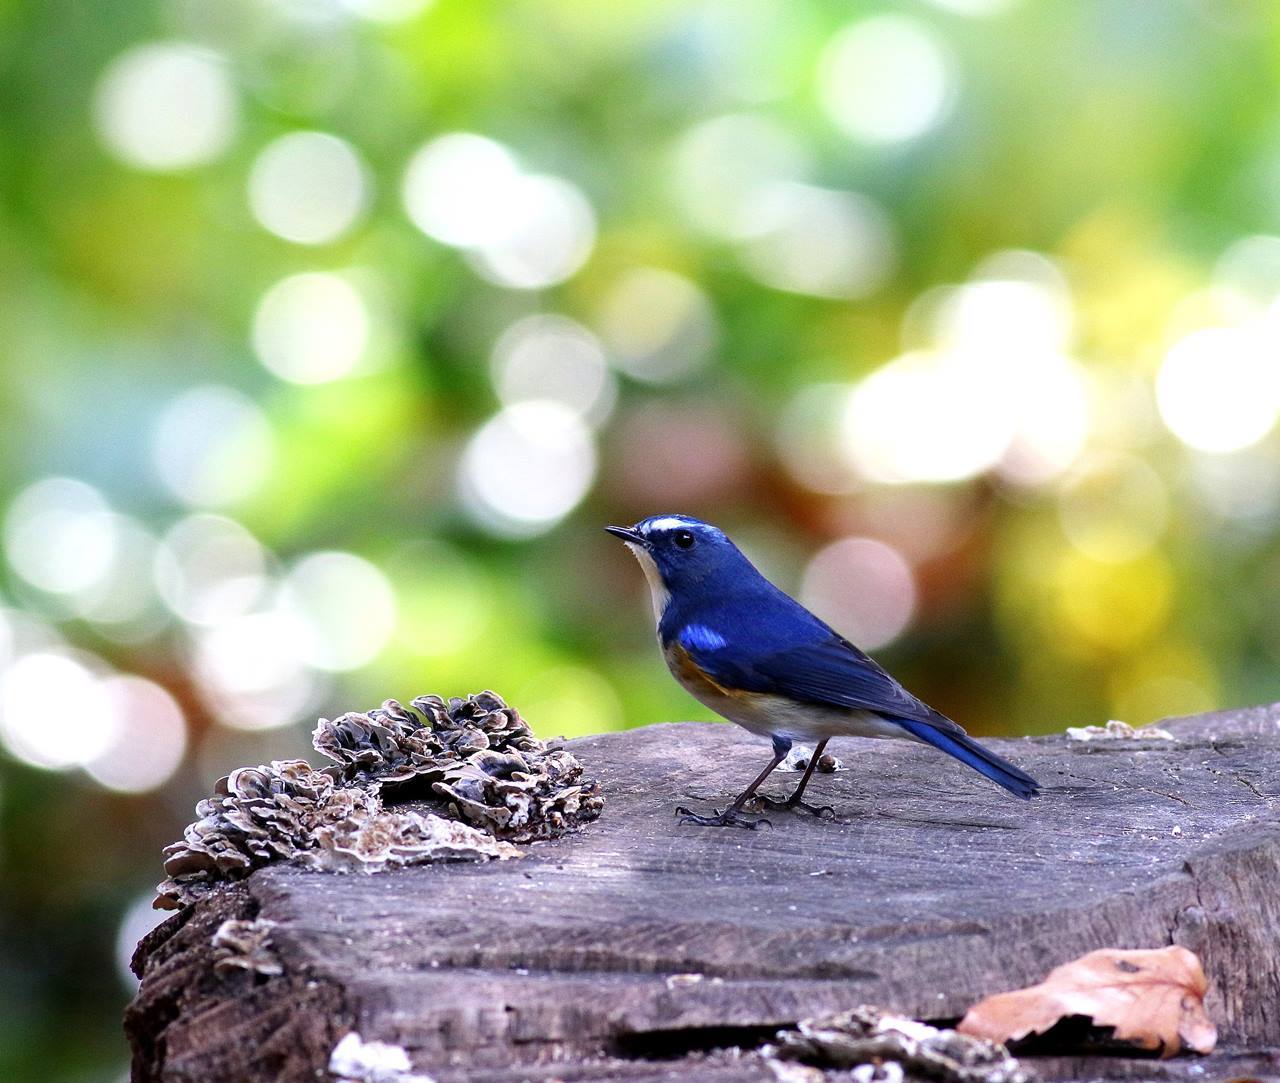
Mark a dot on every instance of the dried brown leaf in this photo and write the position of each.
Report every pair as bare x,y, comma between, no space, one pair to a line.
1154,999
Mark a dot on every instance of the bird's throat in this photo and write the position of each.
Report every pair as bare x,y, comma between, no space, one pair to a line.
658,592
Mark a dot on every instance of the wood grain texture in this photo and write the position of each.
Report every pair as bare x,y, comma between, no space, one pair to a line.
599,954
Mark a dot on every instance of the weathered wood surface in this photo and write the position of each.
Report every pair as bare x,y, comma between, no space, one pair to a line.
606,954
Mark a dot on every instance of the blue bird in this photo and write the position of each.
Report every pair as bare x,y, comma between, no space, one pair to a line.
753,654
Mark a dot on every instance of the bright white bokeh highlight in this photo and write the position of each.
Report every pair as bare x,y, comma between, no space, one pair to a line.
311,328
209,568
213,446
343,610
720,165
124,598
548,356
387,11
527,468
84,726
1248,273
995,388
250,672
659,327
928,417
817,241
520,230
808,440
455,189
308,187
149,741
1218,389
886,79
166,106
975,7
60,536
138,920
550,236
863,588
1008,316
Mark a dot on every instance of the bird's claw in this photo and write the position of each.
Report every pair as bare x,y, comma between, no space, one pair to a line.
791,805
729,817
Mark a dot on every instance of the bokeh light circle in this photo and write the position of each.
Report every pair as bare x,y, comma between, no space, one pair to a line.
659,326
886,79
37,732
166,106
548,356
60,535
343,610
975,7
527,468
213,446
550,232
209,568
863,588
1115,509
1218,389
308,187
250,672
819,242
311,328
138,920
387,11
720,165
927,417
150,738
457,189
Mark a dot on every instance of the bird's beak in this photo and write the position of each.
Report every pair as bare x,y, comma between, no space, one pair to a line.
626,533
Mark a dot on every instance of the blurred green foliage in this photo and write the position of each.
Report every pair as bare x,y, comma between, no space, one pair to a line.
752,208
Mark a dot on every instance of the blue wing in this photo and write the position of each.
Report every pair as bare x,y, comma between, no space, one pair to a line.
829,671
832,672
780,648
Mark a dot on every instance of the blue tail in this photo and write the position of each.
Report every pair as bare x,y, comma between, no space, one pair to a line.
967,750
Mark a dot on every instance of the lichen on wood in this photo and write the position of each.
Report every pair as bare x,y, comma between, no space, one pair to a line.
868,1035
486,781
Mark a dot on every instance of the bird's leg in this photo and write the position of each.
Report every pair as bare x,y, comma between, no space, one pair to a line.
732,816
794,802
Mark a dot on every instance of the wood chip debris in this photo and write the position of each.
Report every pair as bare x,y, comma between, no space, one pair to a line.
1115,730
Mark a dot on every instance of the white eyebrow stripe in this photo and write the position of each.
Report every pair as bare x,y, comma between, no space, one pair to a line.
668,523
702,637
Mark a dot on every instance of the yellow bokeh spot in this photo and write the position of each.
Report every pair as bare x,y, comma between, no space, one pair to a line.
1165,679
1114,511
569,701
1112,606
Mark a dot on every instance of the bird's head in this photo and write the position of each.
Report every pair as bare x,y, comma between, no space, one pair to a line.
680,554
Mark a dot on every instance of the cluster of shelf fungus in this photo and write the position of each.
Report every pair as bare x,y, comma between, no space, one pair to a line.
436,780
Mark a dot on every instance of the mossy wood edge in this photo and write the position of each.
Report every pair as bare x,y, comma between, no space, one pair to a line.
632,948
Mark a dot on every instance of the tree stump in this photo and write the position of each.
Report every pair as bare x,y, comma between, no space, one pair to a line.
640,949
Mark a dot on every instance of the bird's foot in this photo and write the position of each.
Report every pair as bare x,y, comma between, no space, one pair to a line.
792,804
729,817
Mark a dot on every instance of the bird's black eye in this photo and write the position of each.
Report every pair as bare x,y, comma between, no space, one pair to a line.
683,539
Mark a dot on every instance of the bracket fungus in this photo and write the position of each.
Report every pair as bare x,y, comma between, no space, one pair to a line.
240,944
478,778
